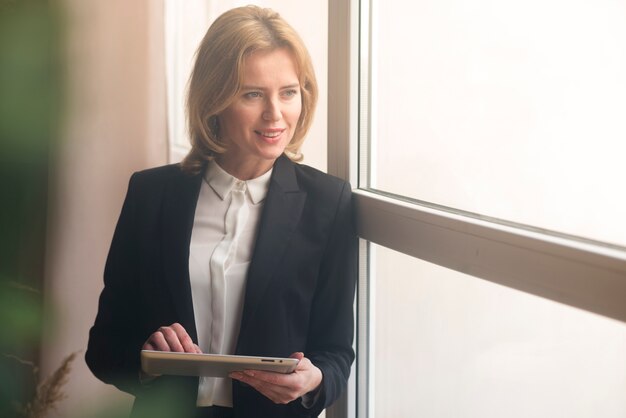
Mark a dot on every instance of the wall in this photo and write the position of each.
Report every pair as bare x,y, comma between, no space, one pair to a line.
114,125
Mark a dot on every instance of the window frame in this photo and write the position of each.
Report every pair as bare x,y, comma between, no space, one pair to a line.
581,273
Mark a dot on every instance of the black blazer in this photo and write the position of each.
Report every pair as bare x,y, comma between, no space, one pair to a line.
299,292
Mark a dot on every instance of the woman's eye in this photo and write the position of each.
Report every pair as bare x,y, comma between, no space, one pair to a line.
290,93
252,95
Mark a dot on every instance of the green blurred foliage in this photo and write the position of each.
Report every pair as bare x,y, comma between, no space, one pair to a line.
30,86
30,111
20,308
28,79
165,403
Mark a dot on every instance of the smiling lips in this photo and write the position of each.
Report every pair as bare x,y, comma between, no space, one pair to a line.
270,133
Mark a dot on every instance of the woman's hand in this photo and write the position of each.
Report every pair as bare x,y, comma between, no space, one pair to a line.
283,388
171,338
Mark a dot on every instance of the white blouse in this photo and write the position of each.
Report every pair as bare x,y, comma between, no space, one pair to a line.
222,244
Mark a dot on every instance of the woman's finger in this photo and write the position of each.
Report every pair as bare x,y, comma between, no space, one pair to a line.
183,337
158,341
172,339
277,394
283,388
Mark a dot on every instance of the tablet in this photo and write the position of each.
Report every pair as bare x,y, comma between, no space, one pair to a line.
213,365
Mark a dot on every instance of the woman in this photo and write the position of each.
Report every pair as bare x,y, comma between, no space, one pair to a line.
238,250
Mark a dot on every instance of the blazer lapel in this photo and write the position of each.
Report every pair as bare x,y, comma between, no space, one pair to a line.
179,208
281,213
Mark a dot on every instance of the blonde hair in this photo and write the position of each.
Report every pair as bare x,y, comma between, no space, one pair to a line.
218,71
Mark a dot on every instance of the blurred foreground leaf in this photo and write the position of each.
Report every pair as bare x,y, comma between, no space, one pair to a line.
20,314
30,109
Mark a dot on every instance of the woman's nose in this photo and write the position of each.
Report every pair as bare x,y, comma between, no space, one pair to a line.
272,111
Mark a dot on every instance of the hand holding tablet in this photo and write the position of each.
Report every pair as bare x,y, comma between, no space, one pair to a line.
212,365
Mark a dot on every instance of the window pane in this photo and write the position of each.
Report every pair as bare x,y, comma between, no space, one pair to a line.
450,345
509,109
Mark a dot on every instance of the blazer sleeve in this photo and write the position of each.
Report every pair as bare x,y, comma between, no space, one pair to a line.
113,351
331,329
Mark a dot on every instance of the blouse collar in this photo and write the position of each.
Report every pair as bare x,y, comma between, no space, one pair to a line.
222,182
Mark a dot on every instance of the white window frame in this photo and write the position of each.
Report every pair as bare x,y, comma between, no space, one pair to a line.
581,273
179,63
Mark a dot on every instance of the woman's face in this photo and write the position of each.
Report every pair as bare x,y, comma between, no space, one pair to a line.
261,121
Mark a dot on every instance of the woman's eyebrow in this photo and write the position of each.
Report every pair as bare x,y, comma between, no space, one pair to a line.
290,86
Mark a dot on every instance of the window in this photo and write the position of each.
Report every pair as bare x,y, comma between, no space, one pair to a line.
485,141
445,344
186,23
505,109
